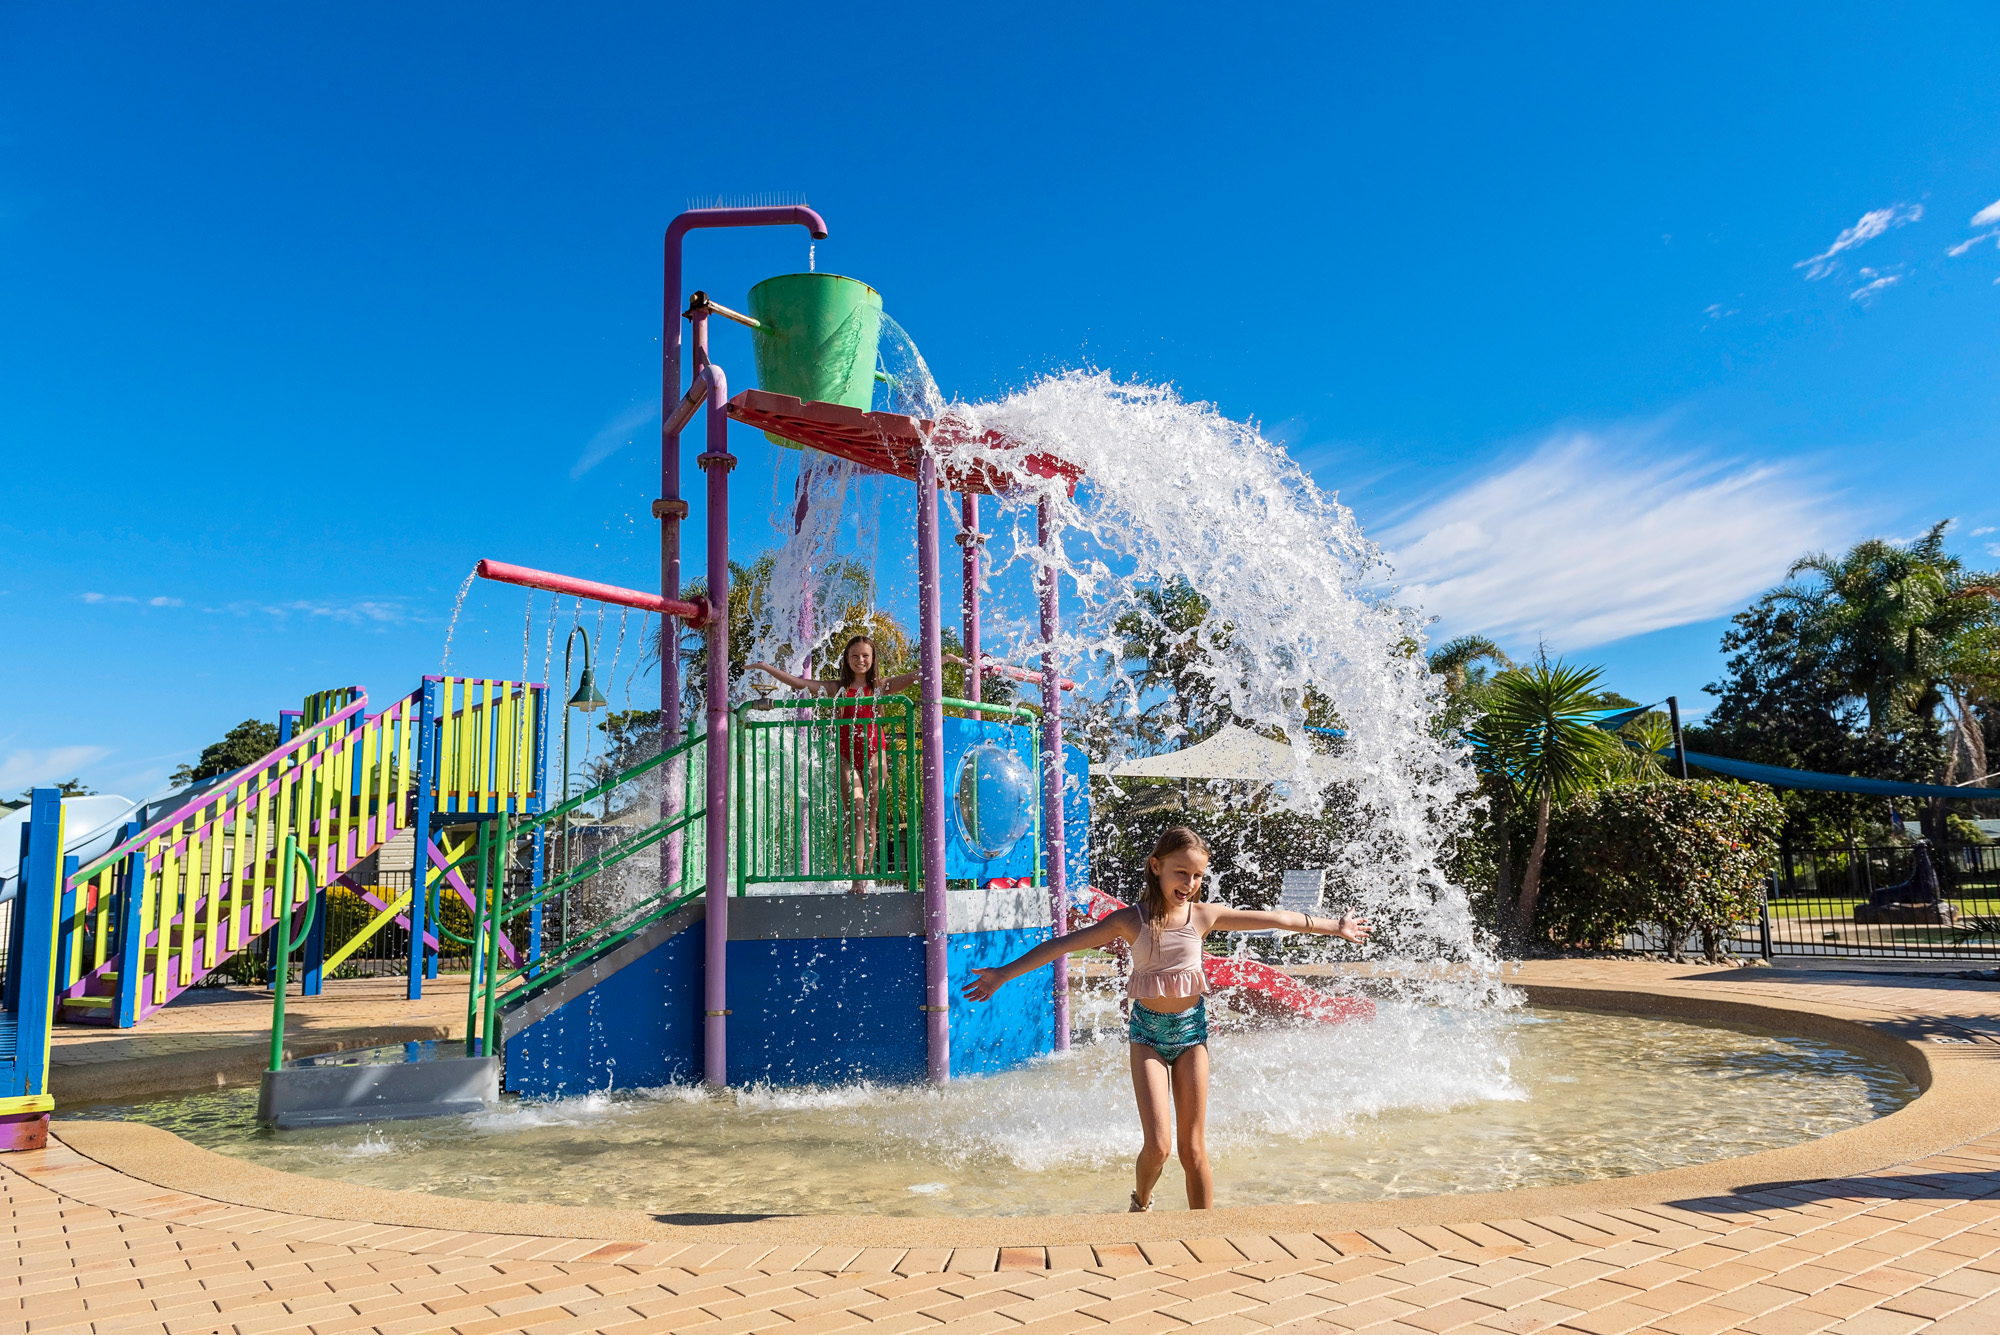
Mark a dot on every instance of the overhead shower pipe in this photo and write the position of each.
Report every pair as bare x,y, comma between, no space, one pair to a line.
670,509
694,612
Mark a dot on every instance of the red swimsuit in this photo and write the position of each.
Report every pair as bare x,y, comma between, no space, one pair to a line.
859,741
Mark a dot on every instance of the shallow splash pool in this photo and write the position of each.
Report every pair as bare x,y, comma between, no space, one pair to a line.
1421,1101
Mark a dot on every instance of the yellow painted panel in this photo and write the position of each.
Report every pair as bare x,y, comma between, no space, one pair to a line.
212,890
372,926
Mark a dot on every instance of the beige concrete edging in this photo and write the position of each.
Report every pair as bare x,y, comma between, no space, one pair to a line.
1960,1101
220,1066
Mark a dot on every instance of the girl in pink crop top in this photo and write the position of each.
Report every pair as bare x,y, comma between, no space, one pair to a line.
1167,990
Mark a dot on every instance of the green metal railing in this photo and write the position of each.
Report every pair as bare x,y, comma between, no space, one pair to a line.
499,862
806,812
289,856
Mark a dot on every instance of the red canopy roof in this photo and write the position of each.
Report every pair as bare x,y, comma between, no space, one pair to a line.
891,442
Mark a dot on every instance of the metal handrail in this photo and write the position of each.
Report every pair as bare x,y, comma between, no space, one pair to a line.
845,708
281,965
496,909
220,792
1021,712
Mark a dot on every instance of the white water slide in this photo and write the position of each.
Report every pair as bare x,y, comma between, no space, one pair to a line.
90,824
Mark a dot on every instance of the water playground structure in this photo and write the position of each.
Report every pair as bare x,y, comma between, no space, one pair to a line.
434,811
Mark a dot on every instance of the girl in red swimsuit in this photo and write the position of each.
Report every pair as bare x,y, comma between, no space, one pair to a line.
863,764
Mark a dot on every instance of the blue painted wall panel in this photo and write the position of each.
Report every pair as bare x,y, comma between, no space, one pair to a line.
638,1028
1076,818
808,1011
826,1010
1018,1023
961,862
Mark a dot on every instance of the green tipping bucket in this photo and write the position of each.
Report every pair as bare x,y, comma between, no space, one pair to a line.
818,339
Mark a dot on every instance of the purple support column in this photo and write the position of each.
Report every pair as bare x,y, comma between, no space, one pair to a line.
970,538
1052,772
670,509
930,722
717,462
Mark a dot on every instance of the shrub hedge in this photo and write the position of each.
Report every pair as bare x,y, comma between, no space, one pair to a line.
1691,857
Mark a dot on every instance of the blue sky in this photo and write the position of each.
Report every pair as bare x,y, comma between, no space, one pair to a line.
1595,318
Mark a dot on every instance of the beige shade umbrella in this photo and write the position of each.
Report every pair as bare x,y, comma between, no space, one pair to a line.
1233,753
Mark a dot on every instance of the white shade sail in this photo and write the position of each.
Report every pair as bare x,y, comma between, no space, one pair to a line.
1233,753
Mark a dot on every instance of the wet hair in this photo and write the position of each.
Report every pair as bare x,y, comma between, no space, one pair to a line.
847,677
1177,839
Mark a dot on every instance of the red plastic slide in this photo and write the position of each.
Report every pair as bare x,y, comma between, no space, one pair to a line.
1253,986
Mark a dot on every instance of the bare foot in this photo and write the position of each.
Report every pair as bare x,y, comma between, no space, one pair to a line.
858,888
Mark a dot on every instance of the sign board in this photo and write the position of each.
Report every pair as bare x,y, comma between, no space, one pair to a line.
1303,890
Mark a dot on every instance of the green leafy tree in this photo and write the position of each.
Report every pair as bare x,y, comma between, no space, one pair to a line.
245,744
1884,615
67,787
1172,650
1691,857
1782,701
1538,743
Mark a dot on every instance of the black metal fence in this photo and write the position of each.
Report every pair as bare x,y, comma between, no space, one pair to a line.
1821,901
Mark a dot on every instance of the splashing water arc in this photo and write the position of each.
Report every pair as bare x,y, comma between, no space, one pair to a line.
1174,489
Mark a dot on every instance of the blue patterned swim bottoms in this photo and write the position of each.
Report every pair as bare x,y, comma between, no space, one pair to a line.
1170,1035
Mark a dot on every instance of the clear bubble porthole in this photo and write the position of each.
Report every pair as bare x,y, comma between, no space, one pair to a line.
993,800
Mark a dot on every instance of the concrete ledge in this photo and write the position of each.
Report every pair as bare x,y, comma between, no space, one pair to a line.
219,1067
1960,1102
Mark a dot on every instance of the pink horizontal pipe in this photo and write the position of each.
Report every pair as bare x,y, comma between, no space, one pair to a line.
693,613
1012,673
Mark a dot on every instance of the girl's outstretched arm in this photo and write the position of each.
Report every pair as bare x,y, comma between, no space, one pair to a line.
985,982
902,681
806,684
1348,927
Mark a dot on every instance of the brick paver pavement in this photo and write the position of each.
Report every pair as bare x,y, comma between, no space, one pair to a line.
1911,1248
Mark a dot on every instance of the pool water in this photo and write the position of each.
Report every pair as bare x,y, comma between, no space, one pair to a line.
1420,1101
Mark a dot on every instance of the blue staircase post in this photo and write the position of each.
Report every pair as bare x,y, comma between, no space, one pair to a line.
131,932
31,977
422,962
312,976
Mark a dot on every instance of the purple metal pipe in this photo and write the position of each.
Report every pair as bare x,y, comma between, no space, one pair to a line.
671,510
717,462
1052,773
930,723
970,537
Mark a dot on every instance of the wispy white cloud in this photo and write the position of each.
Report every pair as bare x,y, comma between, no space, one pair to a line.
1970,242
354,612
614,436
1875,285
361,612
27,767
1982,531
1988,215
1872,224
157,601
1595,536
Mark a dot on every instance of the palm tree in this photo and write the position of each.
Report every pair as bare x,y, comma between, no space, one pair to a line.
1169,637
1457,662
1461,662
1885,615
1540,743
1893,621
